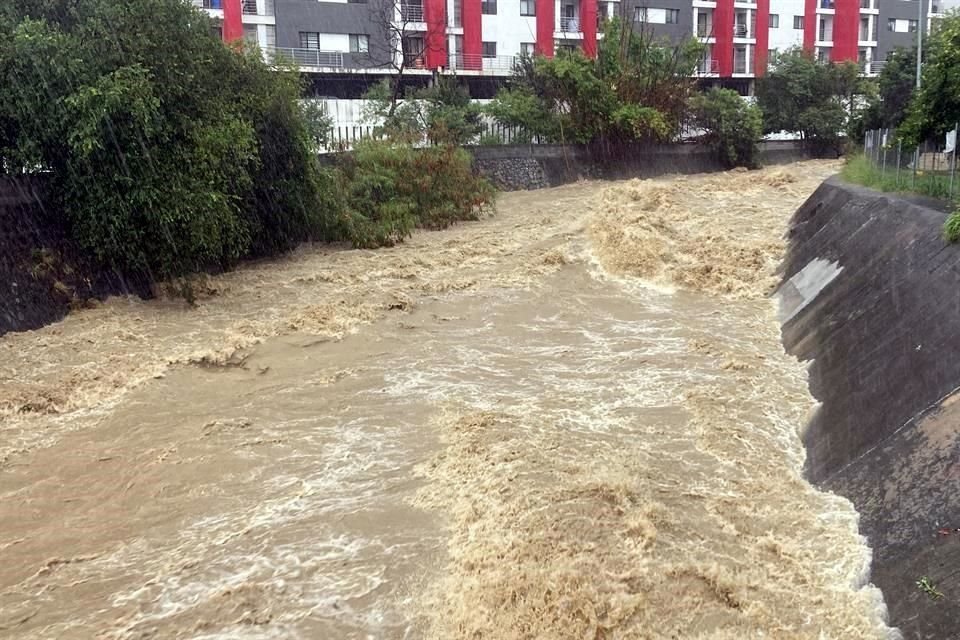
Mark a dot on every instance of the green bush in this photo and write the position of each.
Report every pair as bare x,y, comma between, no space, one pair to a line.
733,126
169,151
391,187
951,228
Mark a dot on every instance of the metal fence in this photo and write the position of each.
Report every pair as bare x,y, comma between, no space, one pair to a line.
345,137
929,168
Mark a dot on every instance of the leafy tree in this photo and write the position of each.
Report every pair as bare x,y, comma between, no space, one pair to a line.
734,126
936,106
169,151
896,84
817,100
636,89
441,113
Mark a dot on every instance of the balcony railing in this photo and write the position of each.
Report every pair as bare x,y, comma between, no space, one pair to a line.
866,4
307,57
740,31
474,62
739,65
411,12
570,25
876,66
825,35
826,4
704,30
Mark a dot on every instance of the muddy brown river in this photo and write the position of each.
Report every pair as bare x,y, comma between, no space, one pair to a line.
573,419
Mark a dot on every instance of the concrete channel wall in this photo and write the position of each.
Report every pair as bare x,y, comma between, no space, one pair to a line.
520,167
871,297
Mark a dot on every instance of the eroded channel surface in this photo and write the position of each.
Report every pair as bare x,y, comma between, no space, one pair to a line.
571,420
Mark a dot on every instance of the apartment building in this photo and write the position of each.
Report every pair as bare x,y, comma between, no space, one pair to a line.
346,44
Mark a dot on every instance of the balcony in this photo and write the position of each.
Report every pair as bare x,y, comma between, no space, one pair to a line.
411,12
250,7
495,65
826,4
741,31
569,24
307,57
825,35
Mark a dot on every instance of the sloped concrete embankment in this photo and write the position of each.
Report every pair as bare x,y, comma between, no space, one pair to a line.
871,295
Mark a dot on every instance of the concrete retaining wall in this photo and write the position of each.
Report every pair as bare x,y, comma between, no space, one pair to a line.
871,295
521,167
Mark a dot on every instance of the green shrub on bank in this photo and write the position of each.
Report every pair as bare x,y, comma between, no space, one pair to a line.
860,170
733,125
169,152
390,188
951,228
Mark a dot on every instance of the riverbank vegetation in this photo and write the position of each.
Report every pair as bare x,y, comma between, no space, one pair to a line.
169,153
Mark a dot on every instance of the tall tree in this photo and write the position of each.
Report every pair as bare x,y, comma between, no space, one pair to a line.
936,107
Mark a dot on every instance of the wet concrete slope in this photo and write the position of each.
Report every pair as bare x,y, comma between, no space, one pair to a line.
871,296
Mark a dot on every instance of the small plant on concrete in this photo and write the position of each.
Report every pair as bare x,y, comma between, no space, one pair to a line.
951,228
928,588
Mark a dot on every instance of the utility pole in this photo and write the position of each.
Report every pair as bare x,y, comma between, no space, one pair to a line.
919,37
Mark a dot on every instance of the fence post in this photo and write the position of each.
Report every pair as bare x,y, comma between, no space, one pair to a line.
899,155
883,170
953,163
916,164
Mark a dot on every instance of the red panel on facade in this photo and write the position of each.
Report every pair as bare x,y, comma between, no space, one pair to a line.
232,20
763,38
723,32
846,30
588,23
545,24
435,15
472,19
809,25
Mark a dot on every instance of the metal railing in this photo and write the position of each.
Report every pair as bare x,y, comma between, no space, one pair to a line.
570,25
411,12
474,62
929,169
306,57
740,31
866,4
825,35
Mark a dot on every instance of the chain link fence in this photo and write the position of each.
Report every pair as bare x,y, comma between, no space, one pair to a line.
929,168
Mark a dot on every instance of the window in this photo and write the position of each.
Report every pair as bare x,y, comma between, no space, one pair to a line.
250,34
457,16
526,48
740,59
359,43
656,16
774,21
357,1
488,7
703,23
528,7
489,49
310,40
271,36
891,24
798,22
913,26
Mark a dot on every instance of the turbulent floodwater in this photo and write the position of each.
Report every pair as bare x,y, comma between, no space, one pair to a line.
572,420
